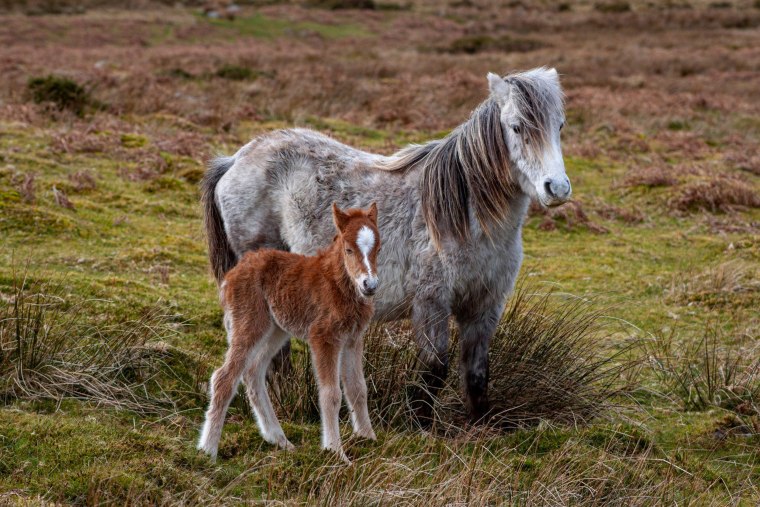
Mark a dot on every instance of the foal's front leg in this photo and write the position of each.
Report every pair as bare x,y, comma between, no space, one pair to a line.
325,355
355,387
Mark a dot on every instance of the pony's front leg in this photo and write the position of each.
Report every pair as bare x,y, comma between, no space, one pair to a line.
431,331
475,332
355,387
325,354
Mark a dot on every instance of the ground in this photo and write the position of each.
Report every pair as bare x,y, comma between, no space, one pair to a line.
99,199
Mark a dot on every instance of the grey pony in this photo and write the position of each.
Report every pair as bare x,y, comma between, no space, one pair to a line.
450,215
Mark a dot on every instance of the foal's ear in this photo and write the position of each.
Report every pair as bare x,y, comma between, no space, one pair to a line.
340,218
499,88
372,213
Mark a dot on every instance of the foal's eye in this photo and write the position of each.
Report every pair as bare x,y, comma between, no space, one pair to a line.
516,129
349,251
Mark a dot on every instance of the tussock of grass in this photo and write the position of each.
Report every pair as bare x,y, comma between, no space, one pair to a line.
569,216
544,361
733,283
472,44
53,348
721,193
708,373
62,92
650,177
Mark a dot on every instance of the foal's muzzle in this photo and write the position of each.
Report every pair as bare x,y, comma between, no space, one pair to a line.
368,286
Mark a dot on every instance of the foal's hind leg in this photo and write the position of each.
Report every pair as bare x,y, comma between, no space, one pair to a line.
255,384
222,388
355,387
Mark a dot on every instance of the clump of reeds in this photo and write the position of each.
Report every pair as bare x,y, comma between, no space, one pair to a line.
52,347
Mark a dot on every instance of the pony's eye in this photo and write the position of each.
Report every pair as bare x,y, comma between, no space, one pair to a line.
561,125
516,129
349,251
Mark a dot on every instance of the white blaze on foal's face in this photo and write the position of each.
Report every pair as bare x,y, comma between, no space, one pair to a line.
366,241
361,242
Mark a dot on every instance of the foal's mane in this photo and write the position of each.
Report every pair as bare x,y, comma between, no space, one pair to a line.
469,166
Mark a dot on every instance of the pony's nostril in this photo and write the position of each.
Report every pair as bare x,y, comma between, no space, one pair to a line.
365,283
548,187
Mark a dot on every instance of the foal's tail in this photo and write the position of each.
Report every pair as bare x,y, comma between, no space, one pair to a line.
219,250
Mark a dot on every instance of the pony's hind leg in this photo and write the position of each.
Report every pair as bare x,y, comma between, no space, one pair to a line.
355,387
256,388
325,353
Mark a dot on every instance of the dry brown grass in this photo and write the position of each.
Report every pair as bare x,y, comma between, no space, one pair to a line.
570,216
729,284
651,177
719,193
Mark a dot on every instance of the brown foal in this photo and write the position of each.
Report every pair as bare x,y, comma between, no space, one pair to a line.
327,299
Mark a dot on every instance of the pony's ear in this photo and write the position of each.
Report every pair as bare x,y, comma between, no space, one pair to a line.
552,74
499,88
340,218
372,213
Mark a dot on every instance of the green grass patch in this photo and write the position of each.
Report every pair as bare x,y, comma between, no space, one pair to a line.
264,27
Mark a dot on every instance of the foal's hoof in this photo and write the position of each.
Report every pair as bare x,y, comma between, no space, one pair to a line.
344,458
284,444
340,453
207,450
368,434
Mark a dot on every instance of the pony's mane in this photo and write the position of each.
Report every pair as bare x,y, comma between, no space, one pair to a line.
470,165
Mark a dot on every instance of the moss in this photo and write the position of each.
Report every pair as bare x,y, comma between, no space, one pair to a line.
133,141
265,27
164,183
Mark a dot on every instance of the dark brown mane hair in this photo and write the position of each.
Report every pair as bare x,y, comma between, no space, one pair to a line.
470,165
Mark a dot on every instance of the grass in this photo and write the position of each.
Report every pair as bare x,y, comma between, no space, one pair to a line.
262,26
100,211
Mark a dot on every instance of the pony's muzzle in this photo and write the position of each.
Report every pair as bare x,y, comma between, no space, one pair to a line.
558,190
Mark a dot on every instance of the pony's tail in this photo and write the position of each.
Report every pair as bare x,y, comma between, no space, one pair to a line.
219,250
